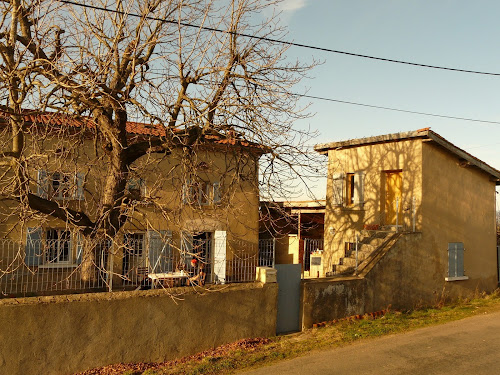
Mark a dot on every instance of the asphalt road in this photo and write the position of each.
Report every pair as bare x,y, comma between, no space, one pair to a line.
468,346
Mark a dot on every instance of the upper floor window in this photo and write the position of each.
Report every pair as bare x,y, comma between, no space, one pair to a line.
60,185
201,192
136,188
347,189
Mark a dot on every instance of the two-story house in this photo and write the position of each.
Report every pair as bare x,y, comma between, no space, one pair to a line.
184,209
407,183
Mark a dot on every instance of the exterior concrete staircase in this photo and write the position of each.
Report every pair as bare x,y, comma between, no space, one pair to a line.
370,241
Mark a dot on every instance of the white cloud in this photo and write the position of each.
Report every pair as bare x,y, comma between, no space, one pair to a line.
291,5
286,9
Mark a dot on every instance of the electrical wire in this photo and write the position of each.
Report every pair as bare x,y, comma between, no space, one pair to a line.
361,104
301,45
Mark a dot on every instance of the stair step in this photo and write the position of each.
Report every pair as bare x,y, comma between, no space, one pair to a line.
370,242
341,268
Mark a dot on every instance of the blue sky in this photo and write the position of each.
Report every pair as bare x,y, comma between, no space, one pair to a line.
459,34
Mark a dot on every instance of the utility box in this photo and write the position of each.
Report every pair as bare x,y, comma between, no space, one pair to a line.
316,266
266,275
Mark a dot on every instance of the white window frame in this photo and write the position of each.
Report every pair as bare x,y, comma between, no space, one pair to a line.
55,262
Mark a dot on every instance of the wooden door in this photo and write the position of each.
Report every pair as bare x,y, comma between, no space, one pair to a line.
393,195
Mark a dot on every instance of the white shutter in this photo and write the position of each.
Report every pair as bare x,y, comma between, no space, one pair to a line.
358,188
220,256
338,189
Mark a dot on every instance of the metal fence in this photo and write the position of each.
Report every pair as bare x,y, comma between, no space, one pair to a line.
311,245
62,265
267,252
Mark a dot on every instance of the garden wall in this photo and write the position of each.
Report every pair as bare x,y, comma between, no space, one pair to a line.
66,334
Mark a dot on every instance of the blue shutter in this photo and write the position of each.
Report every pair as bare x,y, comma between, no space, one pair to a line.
460,258
33,249
186,190
143,187
159,251
42,184
154,247
455,259
186,247
79,179
216,192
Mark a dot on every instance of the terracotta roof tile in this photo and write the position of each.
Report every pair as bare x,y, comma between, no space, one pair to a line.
137,128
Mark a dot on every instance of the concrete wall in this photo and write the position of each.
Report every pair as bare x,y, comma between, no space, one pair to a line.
458,205
66,334
401,276
326,299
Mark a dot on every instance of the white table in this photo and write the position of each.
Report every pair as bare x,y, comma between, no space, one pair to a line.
173,278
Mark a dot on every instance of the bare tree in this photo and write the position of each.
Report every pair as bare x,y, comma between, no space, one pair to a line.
182,67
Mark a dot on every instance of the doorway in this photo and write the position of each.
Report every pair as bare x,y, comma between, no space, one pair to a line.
393,197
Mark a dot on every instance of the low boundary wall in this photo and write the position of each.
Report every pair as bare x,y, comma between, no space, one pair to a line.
67,334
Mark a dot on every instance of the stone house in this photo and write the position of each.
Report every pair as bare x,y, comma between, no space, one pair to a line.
384,188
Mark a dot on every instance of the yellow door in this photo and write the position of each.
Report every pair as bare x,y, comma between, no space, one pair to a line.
393,191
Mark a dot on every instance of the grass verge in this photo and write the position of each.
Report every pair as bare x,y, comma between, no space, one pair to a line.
247,354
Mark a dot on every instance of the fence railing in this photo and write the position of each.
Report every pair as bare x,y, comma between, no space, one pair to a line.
64,266
267,252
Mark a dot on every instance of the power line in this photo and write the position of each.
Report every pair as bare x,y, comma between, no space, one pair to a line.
367,105
301,45
397,109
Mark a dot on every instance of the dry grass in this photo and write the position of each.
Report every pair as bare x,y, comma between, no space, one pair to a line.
246,354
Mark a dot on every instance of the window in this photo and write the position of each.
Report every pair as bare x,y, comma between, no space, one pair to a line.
350,189
456,262
347,189
136,188
58,246
349,247
60,185
201,192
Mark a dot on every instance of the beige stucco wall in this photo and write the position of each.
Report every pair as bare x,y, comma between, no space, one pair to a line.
66,334
402,278
458,205
374,161
235,168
